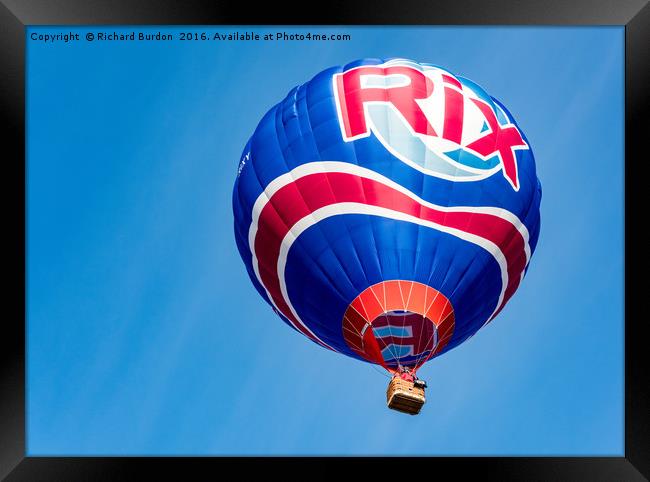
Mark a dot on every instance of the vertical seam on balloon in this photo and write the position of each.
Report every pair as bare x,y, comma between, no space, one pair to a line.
354,249
354,149
315,261
279,130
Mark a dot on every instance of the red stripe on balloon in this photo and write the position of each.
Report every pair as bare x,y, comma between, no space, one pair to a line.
300,198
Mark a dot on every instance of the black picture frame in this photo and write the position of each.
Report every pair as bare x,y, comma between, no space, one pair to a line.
15,15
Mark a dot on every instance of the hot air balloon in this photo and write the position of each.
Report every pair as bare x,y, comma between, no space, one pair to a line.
387,210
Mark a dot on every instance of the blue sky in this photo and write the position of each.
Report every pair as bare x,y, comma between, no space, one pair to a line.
145,335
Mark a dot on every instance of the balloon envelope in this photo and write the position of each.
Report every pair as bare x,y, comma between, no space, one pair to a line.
387,210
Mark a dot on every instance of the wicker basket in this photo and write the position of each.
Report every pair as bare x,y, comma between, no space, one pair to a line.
404,396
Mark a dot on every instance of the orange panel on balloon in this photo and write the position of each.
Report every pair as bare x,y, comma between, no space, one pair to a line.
398,322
